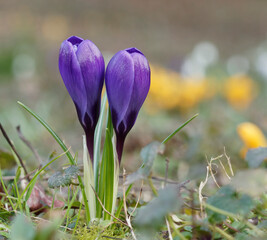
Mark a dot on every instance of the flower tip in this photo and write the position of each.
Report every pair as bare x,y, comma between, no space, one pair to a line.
133,50
74,40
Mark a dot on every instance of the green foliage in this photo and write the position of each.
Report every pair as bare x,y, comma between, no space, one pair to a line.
256,156
152,215
229,200
62,179
22,229
148,155
250,181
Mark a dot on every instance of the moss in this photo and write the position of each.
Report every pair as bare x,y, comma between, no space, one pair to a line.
101,230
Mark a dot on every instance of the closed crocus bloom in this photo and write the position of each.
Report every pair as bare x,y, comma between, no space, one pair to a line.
127,83
82,69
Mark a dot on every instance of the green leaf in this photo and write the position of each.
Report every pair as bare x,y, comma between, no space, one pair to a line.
97,140
60,179
229,200
152,215
72,172
256,156
251,181
148,155
7,160
51,131
22,229
178,129
88,181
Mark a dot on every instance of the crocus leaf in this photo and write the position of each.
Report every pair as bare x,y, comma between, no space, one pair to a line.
256,156
148,155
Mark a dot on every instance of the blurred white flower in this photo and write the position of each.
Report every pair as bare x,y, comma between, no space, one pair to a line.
261,64
203,55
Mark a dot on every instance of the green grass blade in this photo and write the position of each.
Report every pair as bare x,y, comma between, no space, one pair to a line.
51,131
65,149
118,212
5,190
29,185
178,129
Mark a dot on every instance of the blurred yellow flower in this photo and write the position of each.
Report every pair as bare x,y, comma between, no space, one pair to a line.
251,136
169,90
240,90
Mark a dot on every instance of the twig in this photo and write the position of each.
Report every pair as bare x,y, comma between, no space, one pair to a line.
229,162
14,149
107,210
210,168
166,171
125,209
169,229
160,179
141,190
29,145
7,178
224,170
200,196
229,226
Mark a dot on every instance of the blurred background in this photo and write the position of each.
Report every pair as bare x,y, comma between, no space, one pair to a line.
207,57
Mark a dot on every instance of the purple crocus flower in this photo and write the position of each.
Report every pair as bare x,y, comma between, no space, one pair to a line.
127,84
82,69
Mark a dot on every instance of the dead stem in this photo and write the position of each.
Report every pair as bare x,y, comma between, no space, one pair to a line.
14,150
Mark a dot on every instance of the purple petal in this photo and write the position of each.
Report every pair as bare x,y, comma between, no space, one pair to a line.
71,74
92,68
119,84
140,88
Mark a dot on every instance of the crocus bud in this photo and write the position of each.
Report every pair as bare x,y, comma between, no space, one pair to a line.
127,83
82,69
